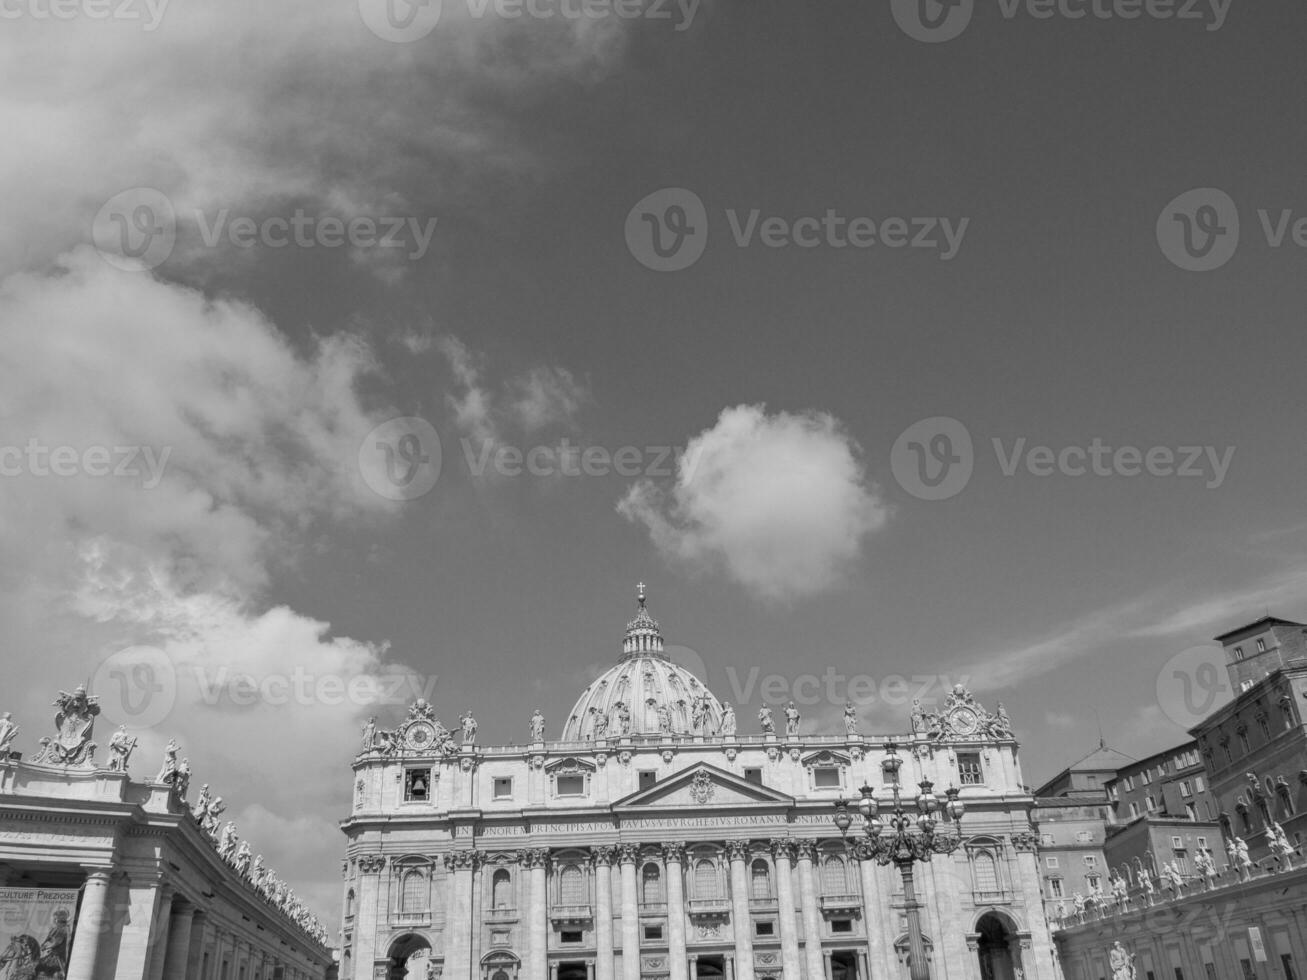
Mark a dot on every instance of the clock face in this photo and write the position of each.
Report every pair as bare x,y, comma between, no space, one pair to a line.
965,721
420,735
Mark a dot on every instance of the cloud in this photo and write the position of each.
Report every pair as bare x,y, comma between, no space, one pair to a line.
1158,614
234,104
780,502
236,448
540,398
237,440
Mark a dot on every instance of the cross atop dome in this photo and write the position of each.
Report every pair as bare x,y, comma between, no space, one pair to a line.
642,633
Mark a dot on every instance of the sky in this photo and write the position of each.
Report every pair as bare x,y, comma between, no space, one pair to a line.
355,353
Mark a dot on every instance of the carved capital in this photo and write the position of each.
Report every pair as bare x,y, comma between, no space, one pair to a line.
782,847
1025,842
371,864
628,853
674,853
737,850
805,849
461,860
535,857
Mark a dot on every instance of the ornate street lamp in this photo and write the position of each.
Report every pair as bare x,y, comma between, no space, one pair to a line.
892,840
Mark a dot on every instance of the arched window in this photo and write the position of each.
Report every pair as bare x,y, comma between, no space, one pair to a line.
1286,799
501,890
984,872
571,886
760,883
349,903
833,880
413,894
705,880
653,884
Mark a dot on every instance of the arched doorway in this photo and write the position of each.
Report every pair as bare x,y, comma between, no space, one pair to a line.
500,965
410,957
997,947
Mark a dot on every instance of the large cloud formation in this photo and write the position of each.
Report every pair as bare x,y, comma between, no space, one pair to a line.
781,502
252,442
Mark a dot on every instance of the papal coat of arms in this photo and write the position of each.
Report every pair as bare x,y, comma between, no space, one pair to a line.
74,725
701,788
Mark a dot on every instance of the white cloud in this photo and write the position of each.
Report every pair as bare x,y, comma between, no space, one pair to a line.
237,104
780,502
258,444
254,439
539,398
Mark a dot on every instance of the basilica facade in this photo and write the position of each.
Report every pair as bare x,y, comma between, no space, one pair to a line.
653,839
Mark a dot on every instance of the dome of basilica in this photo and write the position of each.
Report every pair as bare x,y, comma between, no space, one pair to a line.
644,693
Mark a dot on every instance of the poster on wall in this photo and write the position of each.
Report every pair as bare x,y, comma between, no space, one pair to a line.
36,932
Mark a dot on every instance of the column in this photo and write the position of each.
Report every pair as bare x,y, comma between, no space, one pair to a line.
674,858
628,855
602,968
176,954
806,850
783,853
159,932
458,914
365,916
694,968
871,902
199,939
537,948
737,852
90,926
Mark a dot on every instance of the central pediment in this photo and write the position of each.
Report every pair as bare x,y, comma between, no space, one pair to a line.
704,787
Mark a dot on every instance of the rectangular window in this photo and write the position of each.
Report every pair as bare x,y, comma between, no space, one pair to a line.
1177,842
1050,862
571,936
571,785
653,932
417,785
1210,970
841,925
1286,961
647,778
764,929
1184,788
1134,809
1199,784
1129,782
1146,776
1247,967
969,770
1202,843
1091,861
1261,645
1238,653
753,776
504,788
826,777
1055,887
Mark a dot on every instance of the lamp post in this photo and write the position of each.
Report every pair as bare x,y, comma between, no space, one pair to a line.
891,840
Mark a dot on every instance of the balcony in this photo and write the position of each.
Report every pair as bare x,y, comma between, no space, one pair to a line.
709,908
841,903
501,914
763,903
1001,896
420,918
566,915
